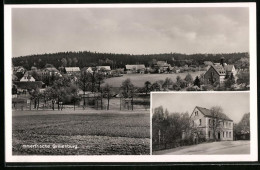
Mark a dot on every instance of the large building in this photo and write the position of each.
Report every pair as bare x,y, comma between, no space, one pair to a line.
206,121
218,72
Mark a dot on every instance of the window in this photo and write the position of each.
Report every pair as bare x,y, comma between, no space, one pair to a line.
200,122
223,134
230,134
209,134
209,121
226,134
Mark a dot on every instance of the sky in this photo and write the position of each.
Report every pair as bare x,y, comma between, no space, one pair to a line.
130,30
234,105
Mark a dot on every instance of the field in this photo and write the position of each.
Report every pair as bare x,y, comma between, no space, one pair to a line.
139,79
80,133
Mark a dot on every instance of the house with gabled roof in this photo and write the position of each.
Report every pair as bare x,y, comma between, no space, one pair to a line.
27,77
138,68
218,72
70,70
204,119
162,66
104,69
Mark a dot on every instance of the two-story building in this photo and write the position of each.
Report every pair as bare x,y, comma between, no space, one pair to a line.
206,121
218,72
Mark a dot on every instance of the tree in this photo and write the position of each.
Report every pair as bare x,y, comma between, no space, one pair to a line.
188,78
73,92
243,77
75,61
126,87
229,81
35,95
243,127
64,62
69,62
49,66
197,81
84,83
147,87
216,113
155,87
99,77
108,93
167,83
93,79
36,76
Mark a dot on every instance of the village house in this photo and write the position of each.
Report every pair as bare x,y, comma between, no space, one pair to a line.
139,68
27,78
27,86
87,70
162,66
19,69
71,70
50,71
104,69
203,119
218,72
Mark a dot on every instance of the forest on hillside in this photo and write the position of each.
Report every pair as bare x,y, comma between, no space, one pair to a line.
86,58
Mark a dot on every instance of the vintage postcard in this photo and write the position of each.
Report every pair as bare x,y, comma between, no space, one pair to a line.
130,83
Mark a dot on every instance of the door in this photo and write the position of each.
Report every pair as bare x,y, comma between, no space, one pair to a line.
219,135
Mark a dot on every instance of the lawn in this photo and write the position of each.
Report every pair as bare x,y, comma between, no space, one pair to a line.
92,133
139,79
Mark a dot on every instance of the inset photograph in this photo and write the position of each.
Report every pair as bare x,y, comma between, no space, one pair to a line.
200,123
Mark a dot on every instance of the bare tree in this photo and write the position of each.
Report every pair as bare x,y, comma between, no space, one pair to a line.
108,93
216,113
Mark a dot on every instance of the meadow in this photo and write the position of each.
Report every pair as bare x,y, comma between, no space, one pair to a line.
139,79
104,133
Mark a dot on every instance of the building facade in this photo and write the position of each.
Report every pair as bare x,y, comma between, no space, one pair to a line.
204,120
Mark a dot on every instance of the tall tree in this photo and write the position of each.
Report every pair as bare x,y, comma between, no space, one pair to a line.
108,93
64,62
197,81
216,113
126,88
147,87
188,79
84,83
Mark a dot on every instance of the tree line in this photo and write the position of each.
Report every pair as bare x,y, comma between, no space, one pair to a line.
86,58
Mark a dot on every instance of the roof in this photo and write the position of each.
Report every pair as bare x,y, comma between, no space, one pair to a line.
220,69
162,64
104,67
137,67
207,112
28,84
229,67
208,63
51,69
72,69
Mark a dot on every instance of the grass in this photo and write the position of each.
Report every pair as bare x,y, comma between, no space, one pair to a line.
93,134
139,79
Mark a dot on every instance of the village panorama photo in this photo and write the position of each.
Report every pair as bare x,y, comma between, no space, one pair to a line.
82,78
200,123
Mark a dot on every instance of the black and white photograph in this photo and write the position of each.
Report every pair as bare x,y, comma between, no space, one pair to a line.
200,123
80,80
